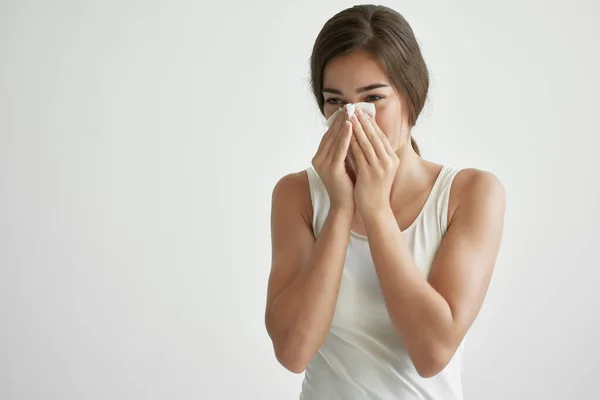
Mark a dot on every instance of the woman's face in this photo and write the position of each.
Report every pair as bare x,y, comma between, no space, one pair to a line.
357,77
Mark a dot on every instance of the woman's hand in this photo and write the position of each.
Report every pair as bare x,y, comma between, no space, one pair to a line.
329,163
376,164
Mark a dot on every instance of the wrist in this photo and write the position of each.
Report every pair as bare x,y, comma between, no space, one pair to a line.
377,215
342,210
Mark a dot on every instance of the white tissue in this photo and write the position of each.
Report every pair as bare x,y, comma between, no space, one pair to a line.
369,108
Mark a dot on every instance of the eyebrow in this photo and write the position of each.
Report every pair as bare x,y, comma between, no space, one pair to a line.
359,90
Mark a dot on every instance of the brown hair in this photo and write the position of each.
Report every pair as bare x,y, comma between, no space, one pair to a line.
387,36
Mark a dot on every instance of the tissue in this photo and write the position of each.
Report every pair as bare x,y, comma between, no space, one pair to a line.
369,108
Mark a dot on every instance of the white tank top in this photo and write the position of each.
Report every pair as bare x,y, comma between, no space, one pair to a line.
362,356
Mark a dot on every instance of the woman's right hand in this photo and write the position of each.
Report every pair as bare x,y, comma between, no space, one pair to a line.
329,163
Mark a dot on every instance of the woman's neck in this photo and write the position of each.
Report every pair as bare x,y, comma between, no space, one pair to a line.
413,176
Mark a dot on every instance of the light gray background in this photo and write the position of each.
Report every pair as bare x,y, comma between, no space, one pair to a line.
140,142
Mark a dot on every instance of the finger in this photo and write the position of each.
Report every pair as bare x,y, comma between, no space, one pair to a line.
339,134
369,129
386,143
343,144
384,139
325,145
329,138
364,143
357,152
336,132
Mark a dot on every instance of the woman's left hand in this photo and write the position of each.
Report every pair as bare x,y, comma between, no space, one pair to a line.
376,164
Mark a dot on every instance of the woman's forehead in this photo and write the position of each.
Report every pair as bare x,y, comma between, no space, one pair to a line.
354,69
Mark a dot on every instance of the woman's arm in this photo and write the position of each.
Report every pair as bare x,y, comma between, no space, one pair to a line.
305,274
432,317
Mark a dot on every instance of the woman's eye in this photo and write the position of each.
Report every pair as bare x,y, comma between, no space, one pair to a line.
335,101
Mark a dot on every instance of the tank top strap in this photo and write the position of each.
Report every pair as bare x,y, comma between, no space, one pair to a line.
319,198
442,195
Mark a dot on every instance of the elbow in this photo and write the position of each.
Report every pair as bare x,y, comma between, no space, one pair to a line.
294,367
291,359
429,370
290,348
292,356
433,363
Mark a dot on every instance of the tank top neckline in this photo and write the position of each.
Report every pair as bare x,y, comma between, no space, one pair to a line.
421,212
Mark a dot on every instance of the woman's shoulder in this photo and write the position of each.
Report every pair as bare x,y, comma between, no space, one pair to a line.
476,188
292,184
463,179
292,191
474,180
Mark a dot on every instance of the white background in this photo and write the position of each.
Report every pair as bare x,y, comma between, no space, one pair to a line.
140,142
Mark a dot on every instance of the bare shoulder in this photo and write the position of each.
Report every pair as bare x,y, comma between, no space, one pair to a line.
292,192
294,183
477,190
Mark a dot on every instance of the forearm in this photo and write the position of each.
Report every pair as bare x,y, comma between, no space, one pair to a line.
421,316
301,316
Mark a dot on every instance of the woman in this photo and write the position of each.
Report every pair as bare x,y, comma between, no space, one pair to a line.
381,259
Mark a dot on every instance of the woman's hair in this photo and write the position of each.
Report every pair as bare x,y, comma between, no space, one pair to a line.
387,36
